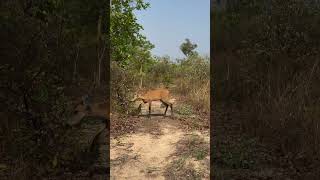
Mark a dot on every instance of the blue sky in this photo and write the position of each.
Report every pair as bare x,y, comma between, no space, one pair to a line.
168,22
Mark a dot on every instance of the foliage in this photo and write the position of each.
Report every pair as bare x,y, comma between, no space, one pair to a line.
41,40
187,48
134,66
125,31
271,69
160,72
122,83
130,50
193,80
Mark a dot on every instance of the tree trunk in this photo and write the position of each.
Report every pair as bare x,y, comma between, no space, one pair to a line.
141,77
99,59
76,65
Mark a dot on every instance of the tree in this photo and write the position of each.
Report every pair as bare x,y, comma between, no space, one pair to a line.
187,48
44,43
90,23
125,31
130,50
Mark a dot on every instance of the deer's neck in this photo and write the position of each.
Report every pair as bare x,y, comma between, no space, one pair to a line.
141,99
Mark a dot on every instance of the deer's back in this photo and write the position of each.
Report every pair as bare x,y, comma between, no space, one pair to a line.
157,94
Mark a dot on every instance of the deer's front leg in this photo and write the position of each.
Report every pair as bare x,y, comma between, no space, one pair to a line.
139,110
150,108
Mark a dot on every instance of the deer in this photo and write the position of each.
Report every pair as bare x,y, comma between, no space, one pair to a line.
160,94
87,107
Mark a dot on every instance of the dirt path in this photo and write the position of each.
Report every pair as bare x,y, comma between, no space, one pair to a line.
157,150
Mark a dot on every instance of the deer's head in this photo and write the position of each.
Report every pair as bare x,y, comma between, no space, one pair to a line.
138,95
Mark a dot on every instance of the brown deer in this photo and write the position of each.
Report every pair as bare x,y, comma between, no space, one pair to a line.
88,108
160,94
93,108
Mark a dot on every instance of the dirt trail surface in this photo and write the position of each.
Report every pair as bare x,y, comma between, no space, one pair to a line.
156,149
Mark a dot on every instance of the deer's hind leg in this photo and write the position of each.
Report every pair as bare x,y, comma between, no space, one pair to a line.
166,104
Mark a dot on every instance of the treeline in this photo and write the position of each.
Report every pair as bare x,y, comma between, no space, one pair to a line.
187,78
266,62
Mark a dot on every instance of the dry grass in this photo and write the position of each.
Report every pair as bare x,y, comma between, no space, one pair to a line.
193,146
178,170
190,162
277,105
272,74
195,94
200,98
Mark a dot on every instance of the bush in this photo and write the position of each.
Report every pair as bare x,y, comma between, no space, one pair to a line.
193,82
123,84
273,73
